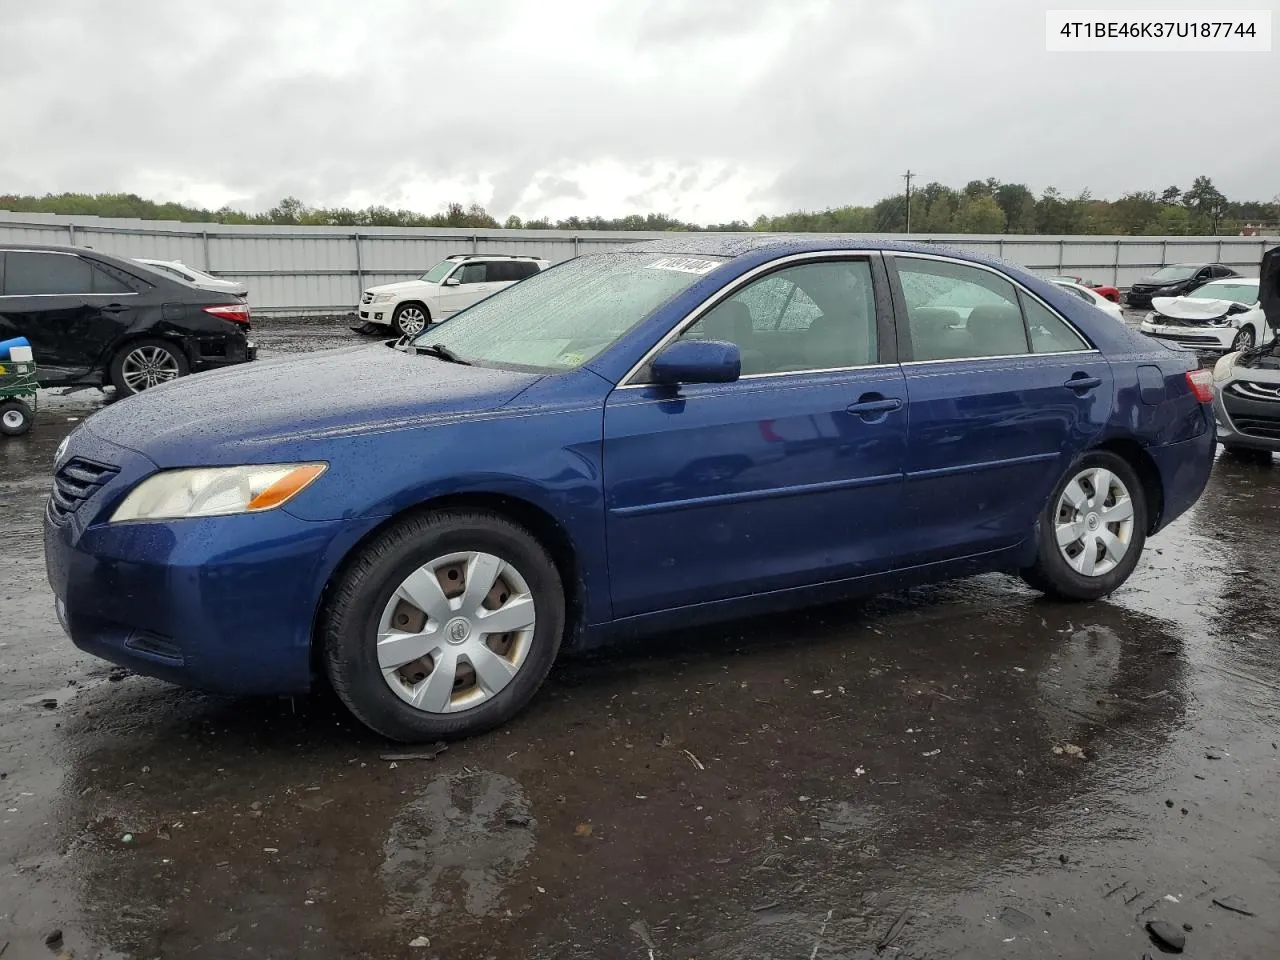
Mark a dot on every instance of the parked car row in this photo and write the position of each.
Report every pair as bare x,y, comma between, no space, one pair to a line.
95,320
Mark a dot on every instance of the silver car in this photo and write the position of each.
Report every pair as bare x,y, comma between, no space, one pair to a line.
1246,400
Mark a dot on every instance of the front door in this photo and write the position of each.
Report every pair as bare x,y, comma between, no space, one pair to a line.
790,476
1004,393
473,286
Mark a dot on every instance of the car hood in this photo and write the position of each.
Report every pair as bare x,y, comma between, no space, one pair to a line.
1148,282
402,286
1191,308
239,414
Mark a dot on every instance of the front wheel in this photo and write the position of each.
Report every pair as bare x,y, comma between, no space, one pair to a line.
444,626
410,319
16,417
146,364
1091,531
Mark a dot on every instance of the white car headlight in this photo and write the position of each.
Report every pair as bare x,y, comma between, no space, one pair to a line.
216,491
1226,366
383,297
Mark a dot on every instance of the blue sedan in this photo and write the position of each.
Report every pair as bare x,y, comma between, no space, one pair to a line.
683,431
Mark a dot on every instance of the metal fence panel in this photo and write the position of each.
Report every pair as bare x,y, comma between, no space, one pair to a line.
297,270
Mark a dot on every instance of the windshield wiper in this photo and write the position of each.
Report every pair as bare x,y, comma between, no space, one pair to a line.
443,352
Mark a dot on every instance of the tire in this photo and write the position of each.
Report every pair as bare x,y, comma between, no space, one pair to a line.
16,417
1066,577
1247,454
418,556
410,319
144,364
1245,339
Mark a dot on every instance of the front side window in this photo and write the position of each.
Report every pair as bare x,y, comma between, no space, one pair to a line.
815,316
474,273
562,317
45,274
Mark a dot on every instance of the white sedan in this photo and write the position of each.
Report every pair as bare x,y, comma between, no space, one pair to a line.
1221,316
197,278
1091,296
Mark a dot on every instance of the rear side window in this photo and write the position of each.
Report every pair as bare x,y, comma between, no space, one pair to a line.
956,311
1049,333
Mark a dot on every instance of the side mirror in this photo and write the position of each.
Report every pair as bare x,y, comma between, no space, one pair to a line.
697,361
451,281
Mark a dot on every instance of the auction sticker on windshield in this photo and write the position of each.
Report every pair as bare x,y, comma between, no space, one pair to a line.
684,265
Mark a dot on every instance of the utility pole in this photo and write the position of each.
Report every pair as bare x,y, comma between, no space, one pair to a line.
907,177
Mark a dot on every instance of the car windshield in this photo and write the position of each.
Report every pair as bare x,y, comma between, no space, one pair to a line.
560,318
1176,272
1239,291
439,271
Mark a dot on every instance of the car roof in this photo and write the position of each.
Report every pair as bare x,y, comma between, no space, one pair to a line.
1232,280
492,256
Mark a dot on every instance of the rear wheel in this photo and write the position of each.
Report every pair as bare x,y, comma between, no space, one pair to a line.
16,417
410,319
146,364
444,626
1091,531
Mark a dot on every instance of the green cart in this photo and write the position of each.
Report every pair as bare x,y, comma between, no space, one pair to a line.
17,396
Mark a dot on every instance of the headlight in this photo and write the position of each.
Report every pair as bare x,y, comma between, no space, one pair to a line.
216,491
1223,369
383,297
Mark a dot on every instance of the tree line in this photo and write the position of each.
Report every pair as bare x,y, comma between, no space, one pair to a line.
980,206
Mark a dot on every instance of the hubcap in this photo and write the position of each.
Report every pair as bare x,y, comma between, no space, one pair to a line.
148,367
412,321
455,632
13,419
1094,522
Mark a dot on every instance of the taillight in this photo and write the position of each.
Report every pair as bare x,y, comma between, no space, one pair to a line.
1201,384
235,312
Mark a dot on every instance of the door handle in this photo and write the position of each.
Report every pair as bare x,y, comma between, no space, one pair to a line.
1082,382
881,405
113,308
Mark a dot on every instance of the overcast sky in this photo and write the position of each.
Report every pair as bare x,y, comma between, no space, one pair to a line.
705,109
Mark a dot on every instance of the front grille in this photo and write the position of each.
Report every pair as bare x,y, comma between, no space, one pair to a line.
367,298
1265,428
74,483
1266,392
1189,338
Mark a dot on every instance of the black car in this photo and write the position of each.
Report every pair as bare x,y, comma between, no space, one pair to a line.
1175,280
95,319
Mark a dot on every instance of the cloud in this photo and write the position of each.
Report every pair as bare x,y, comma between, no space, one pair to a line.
715,110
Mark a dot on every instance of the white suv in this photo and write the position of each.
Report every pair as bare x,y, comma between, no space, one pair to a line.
451,285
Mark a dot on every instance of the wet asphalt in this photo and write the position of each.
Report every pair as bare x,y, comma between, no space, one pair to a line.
880,779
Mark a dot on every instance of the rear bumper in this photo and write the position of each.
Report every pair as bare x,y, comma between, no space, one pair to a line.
1184,469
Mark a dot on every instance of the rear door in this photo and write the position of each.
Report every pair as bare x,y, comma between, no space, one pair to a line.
69,309
1003,393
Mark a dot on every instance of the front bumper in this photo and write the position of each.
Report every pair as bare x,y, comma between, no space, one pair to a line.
1243,422
376,312
1204,338
220,603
